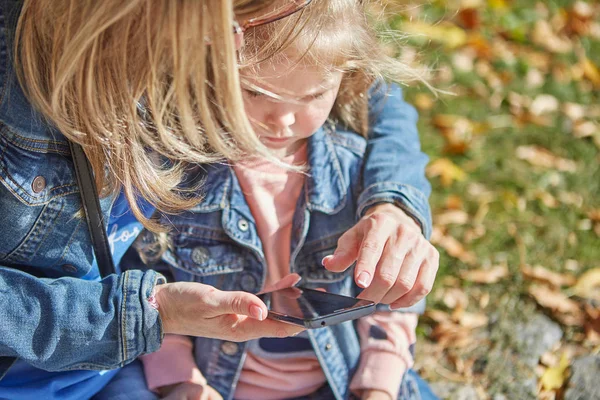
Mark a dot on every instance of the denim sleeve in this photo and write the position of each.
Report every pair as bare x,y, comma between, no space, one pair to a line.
67,323
394,169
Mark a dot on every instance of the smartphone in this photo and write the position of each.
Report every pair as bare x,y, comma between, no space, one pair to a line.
312,308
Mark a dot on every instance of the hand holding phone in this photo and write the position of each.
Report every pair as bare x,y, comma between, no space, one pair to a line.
312,308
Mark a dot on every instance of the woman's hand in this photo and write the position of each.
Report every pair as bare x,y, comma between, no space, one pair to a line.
195,309
394,262
189,391
375,395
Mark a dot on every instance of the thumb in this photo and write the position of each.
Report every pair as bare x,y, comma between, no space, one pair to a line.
346,252
241,303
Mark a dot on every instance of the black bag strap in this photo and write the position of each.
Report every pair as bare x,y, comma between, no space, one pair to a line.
91,207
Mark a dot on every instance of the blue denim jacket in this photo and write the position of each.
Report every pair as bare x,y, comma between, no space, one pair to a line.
217,243
47,270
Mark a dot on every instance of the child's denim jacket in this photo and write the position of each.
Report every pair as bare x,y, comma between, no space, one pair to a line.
217,244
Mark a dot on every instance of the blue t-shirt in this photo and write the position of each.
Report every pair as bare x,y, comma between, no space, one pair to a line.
25,382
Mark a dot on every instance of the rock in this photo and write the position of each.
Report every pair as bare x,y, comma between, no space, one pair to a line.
454,391
536,337
584,383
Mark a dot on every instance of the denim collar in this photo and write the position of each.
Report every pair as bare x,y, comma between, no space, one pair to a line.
324,188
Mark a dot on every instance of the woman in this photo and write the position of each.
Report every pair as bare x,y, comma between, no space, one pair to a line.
120,80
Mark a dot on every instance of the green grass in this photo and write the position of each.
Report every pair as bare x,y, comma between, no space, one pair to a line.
518,225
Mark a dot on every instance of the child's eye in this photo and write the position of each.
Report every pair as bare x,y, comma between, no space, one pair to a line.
252,93
318,96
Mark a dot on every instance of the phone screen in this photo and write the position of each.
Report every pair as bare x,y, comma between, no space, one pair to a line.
308,304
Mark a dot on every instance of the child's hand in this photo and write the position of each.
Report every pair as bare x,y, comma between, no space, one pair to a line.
190,391
375,395
195,309
394,261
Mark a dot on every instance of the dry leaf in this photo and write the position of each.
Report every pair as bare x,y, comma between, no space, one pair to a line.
423,101
452,246
446,170
491,275
445,32
590,71
588,285
592,324
544,36
541,274
542,157
455,298
457,217
543,104
563,308
469,18
472,321
554,377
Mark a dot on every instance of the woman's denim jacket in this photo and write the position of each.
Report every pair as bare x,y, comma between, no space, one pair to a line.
44,247
217,243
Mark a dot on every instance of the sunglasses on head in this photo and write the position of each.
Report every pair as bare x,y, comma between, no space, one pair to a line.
281,12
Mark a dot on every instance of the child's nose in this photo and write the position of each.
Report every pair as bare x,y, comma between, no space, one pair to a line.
282,120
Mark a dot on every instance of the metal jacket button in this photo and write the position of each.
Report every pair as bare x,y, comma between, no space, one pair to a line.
243,225
230,348
38,184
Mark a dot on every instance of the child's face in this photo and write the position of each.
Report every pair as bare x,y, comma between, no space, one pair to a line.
284,125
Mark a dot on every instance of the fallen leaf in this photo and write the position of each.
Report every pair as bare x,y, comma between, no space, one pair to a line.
452,246
542,157
469,18
564,309
541,274
472,320
445,32
455,298
588,285
423,101
544,36
446,170
590,71
592,324
458,132
543,104
491,275
554,377
457,217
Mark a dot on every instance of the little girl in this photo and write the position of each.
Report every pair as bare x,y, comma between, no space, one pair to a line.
261,220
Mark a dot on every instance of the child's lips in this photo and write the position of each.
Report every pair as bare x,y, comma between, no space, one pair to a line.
275,141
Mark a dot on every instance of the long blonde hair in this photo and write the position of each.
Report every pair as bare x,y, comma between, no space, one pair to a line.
145,86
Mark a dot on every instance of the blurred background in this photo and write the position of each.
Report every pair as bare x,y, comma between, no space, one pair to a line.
515,169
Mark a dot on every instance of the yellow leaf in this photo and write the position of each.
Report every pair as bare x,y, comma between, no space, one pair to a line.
588,285
446,170
554,378
591,71
446,32
498,4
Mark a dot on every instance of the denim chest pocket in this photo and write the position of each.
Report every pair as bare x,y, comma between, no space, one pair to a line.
204,251
38,206
309,262
36,171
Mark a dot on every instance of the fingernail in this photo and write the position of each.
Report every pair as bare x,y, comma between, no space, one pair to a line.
364,279
326,259
256,312
297,281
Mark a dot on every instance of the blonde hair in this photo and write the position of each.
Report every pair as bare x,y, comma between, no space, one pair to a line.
333,34
137,83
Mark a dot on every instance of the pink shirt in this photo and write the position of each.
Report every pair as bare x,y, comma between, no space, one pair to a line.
272,193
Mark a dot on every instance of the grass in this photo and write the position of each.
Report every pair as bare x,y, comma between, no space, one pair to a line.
527,214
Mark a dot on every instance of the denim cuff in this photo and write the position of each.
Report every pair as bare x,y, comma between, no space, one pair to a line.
408,198
141,327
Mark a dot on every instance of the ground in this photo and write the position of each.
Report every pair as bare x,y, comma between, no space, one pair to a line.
512,128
